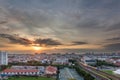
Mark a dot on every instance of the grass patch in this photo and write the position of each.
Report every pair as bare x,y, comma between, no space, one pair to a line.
29,78
108,71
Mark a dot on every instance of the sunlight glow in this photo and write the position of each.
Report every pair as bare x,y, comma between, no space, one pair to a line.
37,48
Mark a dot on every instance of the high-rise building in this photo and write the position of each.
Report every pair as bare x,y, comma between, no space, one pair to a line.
3,58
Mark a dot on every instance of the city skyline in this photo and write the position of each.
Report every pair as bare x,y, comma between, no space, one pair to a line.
66,25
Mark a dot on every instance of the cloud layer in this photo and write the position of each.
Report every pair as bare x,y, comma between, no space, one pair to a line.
16,39
47,42
79,43
60,22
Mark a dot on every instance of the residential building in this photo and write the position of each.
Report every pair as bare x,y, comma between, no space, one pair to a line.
3,58
50,70
88,60
24,70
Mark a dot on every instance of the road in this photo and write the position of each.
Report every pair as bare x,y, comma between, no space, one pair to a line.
99,74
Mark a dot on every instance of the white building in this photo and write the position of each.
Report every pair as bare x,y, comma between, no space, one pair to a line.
61,61
88,60
117,71
3,58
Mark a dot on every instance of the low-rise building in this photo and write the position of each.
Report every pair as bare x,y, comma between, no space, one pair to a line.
12,72
50,70
88,60
61,61
24,70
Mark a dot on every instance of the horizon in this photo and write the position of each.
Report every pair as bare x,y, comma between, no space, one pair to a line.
60,26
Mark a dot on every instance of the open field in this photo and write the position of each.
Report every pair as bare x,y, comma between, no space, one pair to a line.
30,78
108,71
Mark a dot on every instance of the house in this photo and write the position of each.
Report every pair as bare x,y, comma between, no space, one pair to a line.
50,70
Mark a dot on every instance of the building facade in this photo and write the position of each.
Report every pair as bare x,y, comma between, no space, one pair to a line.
20,72
3,58
88,60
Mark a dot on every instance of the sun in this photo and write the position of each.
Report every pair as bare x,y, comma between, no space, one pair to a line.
37,48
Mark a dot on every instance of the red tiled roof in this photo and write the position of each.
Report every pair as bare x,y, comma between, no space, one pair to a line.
51,69
118,63
19,70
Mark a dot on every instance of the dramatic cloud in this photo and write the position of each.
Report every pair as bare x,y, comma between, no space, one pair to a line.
79,43
47,42
62,20
16,39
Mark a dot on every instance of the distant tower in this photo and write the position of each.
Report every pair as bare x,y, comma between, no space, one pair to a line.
3,58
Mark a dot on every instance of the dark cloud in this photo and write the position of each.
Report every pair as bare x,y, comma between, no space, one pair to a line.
113,39
16,40
3,22
79,43
47,42
114,46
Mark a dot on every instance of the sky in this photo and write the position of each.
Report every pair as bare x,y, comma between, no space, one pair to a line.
54,25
